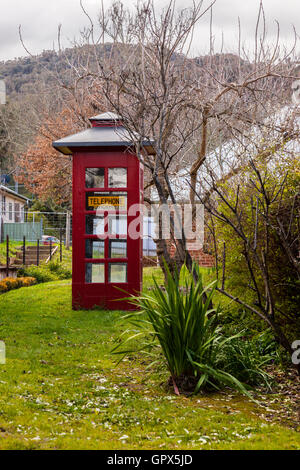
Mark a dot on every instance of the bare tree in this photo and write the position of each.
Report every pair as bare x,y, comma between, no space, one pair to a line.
259,210
136,64
144,74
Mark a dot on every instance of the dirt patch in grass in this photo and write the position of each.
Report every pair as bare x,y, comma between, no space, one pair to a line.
282,404
185,384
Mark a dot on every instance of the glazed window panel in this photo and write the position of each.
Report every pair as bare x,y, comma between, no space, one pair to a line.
117,177
94,225
117,272
117,248
117,224
94,177
94,249
94,273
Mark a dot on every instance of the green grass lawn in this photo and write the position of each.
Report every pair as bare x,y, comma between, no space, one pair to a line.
60,388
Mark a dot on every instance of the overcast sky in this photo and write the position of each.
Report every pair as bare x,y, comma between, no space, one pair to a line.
40,19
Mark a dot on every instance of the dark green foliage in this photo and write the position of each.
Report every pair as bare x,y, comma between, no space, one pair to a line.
56,268
52,271
246,357
262,252
190,336
40,273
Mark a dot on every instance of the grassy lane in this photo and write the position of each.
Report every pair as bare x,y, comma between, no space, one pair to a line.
60,388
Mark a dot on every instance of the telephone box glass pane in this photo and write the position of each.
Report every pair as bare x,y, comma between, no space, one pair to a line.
94,177
117,224
117,177
94,248
94,273
94,225
117,249
117,272
96,200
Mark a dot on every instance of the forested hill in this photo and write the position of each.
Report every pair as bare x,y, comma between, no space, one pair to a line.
23,74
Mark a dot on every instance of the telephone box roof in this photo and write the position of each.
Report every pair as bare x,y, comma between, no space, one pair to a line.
107,131
106,117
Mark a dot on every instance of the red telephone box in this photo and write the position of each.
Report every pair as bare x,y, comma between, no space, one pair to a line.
107,182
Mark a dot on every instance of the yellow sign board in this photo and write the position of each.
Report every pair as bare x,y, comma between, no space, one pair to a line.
96,201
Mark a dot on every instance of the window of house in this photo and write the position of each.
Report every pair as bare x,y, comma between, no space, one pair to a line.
10,211
17,212
3,205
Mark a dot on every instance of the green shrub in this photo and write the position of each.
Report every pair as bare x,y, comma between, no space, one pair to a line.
189,334
57,268
41,273
260,229
246,357
53,271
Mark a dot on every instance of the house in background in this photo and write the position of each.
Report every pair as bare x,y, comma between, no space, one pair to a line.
12,205
12,209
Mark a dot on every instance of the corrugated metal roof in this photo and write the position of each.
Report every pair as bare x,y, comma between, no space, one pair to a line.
10,191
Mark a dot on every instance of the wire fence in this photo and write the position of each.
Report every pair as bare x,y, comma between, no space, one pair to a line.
36,225
29,254
41,226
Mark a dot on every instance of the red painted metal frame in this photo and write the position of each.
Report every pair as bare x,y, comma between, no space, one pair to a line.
106,295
